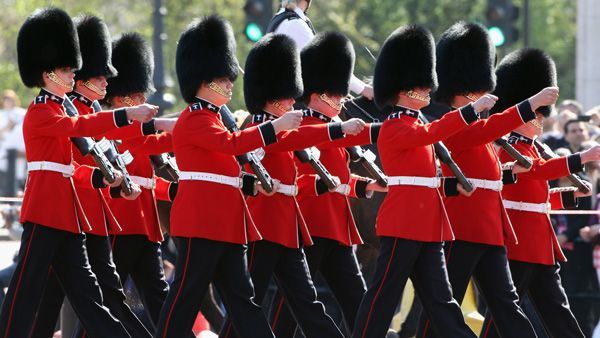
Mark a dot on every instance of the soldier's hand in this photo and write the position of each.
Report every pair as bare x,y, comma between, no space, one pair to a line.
517,168
368,92
374,186
590,155
462,190
135,192
165,124
289,120
262,190
545,97
353,126
143,113
118,179
485,102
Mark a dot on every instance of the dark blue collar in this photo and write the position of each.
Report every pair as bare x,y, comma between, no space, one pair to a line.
399,110
262,117
81,98
45,95
515,138
314,113
202,104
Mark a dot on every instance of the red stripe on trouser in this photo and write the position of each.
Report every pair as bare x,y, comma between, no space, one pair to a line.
387,269
187,260
250,263
277,313
12,304
487,329
448,252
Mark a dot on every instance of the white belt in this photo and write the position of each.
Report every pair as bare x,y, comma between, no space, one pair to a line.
486,184
66,169
541,208
429,182
289,190
144,182
235,182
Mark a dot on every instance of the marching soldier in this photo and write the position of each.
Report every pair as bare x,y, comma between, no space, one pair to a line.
210,222
465,58
412,222
327,64
535,261
90,85
269,95
52,216
291,20
136,247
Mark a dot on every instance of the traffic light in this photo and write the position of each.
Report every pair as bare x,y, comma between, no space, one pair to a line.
258,16
501,18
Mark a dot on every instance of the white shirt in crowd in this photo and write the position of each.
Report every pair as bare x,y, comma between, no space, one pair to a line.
301,33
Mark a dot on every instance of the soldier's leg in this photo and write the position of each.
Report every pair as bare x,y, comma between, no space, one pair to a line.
48,312
494,281
233,283
262,259
461,260
294,281
395,263
430,280
39,245
197,260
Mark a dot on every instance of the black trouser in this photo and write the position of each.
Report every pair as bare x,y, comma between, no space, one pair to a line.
100,257
338,265
43,251
200,262
488,266
293,279
422,262
543,286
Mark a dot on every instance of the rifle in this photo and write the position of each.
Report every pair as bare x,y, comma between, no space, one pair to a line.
118,160
250,157
308,156
87,145
548,154
166,162
367,159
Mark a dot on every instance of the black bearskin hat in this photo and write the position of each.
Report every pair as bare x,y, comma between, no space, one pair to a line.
46,41
206,51
406,62
327,64
522,74
94,43
133,59
465,58
272,72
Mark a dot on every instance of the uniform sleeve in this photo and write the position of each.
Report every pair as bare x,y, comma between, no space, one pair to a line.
305,137
165,190
400,136
203,132
87,177
151,145
46,121
487,130
554,168
297,30
369,135
135,129
358,187
308,185
562,199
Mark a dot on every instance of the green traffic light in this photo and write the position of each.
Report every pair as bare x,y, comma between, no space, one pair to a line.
497,36
253,32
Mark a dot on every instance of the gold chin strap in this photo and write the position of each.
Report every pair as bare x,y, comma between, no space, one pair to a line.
54,78
417,96
471,97
281,108
94,88
128,101
536,124
329,101
215,87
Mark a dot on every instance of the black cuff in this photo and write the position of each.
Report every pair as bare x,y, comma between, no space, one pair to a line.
121,117
568,199
321,187
525,111
335,130
268,133
508,177
149,128
248,183
115,192
173,190
361,188
468,114
574,162
375,128
450,186
98,179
